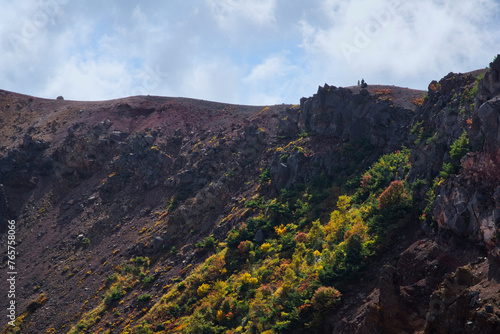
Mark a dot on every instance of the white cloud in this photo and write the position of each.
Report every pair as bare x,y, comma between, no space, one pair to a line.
139,16
399,40
229,12
272,79
96,80
238,51
210,80
275,66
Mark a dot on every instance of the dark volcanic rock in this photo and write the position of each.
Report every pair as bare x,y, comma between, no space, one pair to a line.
4,210
487,129
337,112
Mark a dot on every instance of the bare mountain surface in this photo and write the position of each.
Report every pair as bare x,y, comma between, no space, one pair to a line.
402,97
23,114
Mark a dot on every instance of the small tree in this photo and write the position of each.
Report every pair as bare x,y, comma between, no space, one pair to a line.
325,299
394,194
459,148
316,235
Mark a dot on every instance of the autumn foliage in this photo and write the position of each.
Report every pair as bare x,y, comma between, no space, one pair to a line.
325,299
394,194
418,101
383,91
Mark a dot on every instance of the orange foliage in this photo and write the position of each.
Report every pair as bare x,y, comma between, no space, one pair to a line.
357,229
365,181
394,194
245,246
434,87
301,237
326,299
418,101
383,91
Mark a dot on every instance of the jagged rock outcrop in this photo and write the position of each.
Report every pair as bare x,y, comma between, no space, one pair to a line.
489,87
467,212
339,113
487,130
343,124
467,204
439,122
465,302
404,289
22,167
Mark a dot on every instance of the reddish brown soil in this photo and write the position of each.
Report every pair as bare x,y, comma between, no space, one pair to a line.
400,96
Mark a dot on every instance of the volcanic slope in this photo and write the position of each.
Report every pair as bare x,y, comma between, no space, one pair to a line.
356,211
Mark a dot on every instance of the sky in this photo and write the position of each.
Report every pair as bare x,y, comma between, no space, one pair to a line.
256,52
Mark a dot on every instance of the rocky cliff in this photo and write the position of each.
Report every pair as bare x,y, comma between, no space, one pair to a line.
360,210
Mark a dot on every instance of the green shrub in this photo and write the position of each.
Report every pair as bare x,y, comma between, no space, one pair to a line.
299,149
145,328
284,157
207,243
172,204
265,176
385,170
144,298
419,183
460,147
255,203
303,134
416,128
448,169
316,235
199,324
148,279
116,293
431,140
353,250
141,261
112,278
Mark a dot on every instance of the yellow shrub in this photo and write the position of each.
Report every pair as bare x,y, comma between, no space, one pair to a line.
343,203
280,230
203,290
357,229
336,226
246,278
265,247
220,316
